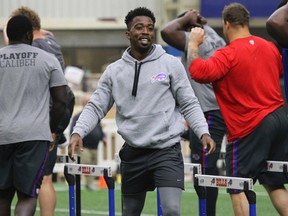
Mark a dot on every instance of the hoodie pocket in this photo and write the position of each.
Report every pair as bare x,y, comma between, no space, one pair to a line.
144,131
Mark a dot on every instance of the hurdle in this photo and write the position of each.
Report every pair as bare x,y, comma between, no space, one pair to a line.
245,184
277,166
71,170
63,159
201,181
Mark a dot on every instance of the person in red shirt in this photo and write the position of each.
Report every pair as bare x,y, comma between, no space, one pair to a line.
176,33
245,76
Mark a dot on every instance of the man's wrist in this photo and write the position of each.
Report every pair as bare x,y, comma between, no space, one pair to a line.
75,134
193,46
193,52
54,135
203,135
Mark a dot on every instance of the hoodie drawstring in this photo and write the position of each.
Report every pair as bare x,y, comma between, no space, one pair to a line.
136,79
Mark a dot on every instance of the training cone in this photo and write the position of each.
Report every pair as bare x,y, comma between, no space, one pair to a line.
102,182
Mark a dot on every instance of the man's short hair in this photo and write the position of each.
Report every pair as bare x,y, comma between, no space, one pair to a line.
31,14
18,27
139,11
236,14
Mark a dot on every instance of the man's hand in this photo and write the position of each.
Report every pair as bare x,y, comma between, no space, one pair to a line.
192,17
75,142
195,19
53,143
208,144
197,36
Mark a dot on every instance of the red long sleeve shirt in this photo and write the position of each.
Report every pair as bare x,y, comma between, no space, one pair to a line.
245,76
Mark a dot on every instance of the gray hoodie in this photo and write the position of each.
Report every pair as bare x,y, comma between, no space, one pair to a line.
205,92
150,96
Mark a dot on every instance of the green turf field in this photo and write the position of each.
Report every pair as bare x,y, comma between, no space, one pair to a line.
96,203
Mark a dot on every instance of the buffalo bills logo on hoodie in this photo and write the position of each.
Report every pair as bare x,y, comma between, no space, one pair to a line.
159,77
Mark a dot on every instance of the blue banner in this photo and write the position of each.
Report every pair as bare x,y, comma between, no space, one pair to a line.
257,8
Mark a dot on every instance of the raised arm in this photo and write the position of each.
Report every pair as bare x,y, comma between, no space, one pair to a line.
277,25
174,32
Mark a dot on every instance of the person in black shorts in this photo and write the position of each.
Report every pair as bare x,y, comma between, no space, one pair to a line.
247,88
176,33
45,40
29,77
151,91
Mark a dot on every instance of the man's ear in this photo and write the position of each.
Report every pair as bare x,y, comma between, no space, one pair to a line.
29,36
127,33
227,25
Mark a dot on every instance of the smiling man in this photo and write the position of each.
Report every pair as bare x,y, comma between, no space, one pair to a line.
151,91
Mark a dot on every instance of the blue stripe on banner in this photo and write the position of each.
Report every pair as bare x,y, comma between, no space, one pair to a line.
257,8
